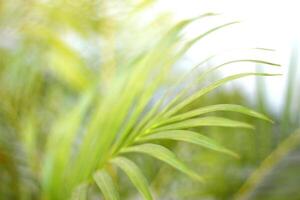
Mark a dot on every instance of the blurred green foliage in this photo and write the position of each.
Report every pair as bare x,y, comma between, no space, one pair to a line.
70,70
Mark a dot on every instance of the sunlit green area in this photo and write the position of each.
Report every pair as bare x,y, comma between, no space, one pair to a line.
98,102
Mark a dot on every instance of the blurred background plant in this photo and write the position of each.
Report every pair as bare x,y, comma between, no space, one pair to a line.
59,61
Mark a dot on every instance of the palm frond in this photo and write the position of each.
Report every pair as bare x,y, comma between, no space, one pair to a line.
105,113
125,115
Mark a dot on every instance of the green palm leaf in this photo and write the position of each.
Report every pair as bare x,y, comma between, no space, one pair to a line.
210,88
135,175
214,108
204,121
190,137
165,155
105,183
